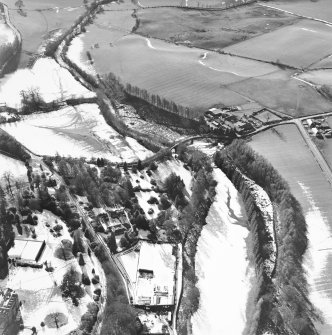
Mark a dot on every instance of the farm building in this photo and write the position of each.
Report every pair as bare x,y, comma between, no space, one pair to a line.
26,250
9,306
243,127
215,112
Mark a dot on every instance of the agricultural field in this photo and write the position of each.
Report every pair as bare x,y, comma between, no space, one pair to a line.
40,20
286,150
108,27
177,73
47,78
192,3
283,93
318,77
325,63
222,265
217,3
299,45
76,132
199,79
211,29
320,9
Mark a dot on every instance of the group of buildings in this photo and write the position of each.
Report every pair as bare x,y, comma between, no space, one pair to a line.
318,127
155,275
239,120
113,219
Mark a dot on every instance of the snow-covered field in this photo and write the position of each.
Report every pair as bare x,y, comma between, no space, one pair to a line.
76,132
39,290
75,54
16,167
6,34
52,81
225,275
317,259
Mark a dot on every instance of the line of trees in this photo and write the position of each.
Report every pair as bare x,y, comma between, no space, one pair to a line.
282,305
8,144
7,234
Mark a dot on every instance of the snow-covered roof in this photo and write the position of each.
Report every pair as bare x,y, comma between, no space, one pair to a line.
25,249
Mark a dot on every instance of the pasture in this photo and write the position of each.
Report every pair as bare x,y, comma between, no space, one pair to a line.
40,20
213,29
193,3
299,45
318,77
283,93
320,9
286,150
108,27
325,63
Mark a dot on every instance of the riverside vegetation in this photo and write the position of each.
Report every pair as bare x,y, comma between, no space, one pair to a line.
282,305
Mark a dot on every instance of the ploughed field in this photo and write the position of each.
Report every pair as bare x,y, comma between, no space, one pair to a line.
286,150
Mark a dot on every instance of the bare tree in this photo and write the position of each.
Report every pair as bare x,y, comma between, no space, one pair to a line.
8,177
